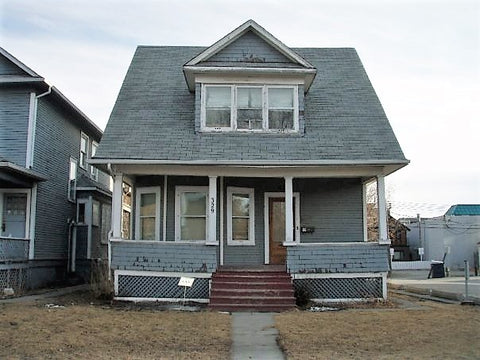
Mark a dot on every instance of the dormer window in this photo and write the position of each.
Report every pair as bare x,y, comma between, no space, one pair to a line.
260,108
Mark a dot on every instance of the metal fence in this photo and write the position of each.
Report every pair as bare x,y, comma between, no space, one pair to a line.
14,249
13,277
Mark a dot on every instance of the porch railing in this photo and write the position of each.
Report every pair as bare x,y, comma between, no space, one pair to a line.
14,249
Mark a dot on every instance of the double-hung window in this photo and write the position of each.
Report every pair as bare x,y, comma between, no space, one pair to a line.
93,169
241,215
147,220
83,150
72,180
268,108
191,213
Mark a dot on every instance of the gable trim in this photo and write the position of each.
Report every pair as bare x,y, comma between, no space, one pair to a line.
258,30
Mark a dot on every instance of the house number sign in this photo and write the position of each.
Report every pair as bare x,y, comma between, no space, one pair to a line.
212,205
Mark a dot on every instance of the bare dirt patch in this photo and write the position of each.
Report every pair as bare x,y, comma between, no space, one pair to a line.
77,326
425,331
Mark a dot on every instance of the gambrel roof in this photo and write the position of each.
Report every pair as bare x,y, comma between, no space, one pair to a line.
153,117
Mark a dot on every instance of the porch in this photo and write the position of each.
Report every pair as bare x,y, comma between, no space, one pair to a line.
189,224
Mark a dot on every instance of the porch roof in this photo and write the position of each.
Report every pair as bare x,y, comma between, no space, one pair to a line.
14,175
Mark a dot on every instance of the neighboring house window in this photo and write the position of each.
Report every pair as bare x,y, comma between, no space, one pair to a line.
93,169
83,150
72,180
191,213
240,216
81,212
147,214
126,210
270,108
14,214
95,213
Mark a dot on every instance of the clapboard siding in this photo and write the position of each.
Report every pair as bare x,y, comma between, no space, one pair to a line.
165,257
8,68
338,258
333,207
249,48
14,113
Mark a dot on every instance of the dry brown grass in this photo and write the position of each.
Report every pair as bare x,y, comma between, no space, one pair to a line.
436,331
101,332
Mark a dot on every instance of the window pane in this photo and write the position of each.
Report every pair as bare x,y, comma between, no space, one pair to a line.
218,96
240,204
193,203
249,119
127,194
147,229
249,97
125,225
240,229
217,118
96,213
193,228
83,144
280,98
280,119
147,204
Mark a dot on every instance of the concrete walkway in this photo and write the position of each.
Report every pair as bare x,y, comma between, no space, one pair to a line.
46,294
254,337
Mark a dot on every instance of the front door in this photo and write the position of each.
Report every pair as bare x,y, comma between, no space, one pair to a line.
278,252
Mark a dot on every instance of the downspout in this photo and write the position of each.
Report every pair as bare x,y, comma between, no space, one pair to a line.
32,125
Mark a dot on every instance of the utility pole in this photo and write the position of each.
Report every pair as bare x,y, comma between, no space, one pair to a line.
421,252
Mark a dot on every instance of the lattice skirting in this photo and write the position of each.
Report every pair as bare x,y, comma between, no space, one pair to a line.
15,278
160,286
340,288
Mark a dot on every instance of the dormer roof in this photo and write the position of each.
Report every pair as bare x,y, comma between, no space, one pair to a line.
249,50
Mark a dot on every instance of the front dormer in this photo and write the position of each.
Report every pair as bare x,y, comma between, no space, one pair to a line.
249,82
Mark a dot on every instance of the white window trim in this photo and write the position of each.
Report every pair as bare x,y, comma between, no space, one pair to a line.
265,108
147,190
251,218
296,204
71,181
93,169
87,139
179,190
27,210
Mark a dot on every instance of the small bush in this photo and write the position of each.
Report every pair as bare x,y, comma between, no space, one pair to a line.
302,297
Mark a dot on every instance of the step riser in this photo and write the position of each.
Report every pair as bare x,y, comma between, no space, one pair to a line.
251,292
245,286
245,301
252,279
239,308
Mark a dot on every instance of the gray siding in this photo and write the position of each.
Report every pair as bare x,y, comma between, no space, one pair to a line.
164,257
8,68
333,207
249,48
14,112
330,258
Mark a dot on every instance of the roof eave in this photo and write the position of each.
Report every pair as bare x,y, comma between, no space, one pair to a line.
191,72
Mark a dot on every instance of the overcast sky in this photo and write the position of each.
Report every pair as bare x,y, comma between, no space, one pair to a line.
423,58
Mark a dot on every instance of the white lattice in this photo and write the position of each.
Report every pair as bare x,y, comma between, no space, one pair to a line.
341,288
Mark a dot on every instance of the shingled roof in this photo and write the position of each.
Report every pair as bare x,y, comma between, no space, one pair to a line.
153,117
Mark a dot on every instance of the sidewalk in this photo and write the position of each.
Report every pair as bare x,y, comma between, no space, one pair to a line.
45,295
452,287
254,337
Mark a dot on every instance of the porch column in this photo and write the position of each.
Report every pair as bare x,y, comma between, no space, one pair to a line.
289,210
382,211
117,206
212,211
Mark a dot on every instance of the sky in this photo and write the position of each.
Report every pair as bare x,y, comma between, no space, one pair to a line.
422,57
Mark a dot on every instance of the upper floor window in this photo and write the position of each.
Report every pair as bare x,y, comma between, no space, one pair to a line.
271,108
93,169
72,180
83,150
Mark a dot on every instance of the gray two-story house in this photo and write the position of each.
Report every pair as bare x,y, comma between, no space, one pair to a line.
55,208
247,162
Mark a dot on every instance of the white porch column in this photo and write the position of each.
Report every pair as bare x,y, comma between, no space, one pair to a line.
117,206
382,211
212,211
289,238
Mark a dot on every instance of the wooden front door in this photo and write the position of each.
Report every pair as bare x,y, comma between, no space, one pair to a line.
278,252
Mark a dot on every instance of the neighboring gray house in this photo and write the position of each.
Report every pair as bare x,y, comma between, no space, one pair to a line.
51,199
456,233
244,155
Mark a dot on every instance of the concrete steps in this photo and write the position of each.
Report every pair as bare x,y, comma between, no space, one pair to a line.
261,290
